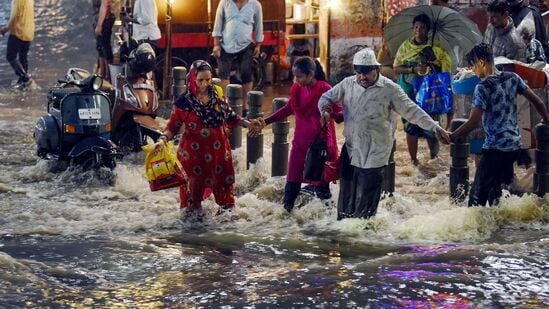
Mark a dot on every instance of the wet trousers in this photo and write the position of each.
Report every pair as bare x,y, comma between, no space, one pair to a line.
16,55
291,192
293,189
494,170
191,197
359,189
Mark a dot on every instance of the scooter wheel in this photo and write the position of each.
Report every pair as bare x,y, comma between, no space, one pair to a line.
109,162
87,161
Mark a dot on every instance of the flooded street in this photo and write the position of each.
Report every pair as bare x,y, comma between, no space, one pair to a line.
103,239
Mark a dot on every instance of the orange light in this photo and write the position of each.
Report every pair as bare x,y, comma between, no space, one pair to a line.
108,127
69,128
183,11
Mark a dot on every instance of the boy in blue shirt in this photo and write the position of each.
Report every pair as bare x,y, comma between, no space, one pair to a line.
495,102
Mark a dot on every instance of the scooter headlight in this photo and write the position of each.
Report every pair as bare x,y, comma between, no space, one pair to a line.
97,82
128,93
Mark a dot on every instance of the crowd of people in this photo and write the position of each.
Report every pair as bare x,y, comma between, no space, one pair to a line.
365,102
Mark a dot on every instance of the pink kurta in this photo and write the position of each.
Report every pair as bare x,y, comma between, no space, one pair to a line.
303,104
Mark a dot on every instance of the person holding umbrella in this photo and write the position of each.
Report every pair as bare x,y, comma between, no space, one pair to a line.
415,58
450,30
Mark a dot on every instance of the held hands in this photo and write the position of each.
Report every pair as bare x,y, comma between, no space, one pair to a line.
4,30
443,135
255,126
452,137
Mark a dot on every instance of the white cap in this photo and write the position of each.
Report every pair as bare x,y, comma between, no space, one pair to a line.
365,56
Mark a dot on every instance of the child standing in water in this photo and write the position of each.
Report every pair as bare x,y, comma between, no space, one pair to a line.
495,102
310,83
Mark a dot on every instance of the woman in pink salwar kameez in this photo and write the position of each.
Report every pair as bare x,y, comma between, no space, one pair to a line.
310,83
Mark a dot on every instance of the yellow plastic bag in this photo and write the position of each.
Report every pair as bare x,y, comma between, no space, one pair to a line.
162,168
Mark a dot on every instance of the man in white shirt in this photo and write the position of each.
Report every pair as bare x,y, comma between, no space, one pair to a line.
369,100
145,24
235,21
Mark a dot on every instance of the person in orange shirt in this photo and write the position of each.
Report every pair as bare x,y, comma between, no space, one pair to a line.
21,29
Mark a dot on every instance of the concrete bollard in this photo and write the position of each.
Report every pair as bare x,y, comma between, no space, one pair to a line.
541,177
388,184
280,145
234,95
179,80
459,170
254,145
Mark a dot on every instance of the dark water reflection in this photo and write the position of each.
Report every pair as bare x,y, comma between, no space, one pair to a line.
81,239
207,271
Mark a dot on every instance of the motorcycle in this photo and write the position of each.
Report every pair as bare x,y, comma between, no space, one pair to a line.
136,104
76,130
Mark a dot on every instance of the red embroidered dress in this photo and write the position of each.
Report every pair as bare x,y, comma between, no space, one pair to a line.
204,149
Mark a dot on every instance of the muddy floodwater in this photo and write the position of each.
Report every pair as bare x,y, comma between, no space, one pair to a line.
101,239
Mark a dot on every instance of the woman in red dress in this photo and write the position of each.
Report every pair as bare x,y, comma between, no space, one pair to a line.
204,150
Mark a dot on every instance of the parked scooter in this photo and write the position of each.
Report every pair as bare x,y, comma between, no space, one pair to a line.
77,128
134,111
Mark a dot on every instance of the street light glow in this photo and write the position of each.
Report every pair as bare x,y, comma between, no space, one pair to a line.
332,4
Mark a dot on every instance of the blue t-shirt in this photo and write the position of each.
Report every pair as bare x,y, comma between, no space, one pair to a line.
497,96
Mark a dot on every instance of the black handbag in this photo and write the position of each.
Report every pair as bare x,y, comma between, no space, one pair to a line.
315,158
